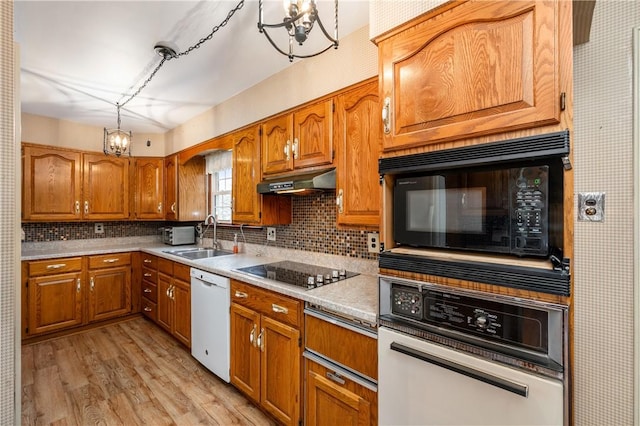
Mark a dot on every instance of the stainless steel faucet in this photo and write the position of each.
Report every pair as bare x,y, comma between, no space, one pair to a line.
215,243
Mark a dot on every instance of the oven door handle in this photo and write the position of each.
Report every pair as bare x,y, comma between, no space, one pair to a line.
517,388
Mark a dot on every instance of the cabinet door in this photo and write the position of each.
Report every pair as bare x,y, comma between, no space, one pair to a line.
329,402
358,130
476,68
51,184
171,187
277,144
245,355
280,386
109,292
181,298
192,190
165,306
149,188
105,187
246,175
312,137
55,302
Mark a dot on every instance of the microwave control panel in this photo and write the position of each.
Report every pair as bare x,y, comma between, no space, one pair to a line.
529,207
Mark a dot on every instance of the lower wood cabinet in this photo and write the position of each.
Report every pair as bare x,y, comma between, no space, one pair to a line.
174,299
64,293
266,350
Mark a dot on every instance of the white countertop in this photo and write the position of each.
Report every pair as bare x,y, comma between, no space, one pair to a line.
356,297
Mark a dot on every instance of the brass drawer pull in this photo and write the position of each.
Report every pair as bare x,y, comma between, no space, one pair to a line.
279,309
56,266
147,274
147,290
147,261
110,260
147,309
241,294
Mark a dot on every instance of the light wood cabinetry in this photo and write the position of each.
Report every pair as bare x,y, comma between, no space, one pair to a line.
52,184
249,206
298,140
174,299
358,133
266,349
55,295
105,187
185,196
109,286
332,394
149,188
470,69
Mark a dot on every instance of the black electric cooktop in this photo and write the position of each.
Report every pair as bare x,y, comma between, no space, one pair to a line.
298,274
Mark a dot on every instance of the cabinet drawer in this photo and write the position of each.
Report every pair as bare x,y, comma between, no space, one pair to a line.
347,347
182,272
55,266
149,290
149,309
165,266
150,275
276,306
149,261
109,260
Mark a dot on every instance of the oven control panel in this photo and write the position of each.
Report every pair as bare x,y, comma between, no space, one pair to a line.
406,301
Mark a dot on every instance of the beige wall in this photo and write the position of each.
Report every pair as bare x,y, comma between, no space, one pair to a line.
603,265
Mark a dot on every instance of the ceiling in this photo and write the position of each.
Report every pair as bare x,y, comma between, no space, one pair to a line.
79,58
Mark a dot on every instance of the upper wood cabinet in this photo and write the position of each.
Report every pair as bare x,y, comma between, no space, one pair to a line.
149,188
246,175
51,184
185,195
105,187
358,131
470,69
298,140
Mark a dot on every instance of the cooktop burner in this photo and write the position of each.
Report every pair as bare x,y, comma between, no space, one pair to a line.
298,274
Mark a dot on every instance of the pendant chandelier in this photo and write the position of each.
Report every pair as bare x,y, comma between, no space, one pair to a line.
117,141
299,19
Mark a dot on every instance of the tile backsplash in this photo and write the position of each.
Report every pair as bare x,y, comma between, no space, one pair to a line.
313,229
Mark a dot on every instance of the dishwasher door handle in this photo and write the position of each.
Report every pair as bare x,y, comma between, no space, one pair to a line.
517,388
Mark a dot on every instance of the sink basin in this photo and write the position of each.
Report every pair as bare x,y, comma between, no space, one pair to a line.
198,253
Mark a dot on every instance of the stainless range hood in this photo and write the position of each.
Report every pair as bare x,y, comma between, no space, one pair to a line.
323,180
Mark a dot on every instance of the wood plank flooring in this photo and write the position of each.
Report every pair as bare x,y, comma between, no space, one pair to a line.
125,374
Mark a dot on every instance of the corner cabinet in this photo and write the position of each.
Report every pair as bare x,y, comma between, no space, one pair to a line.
149,188
248,206
469,69
358,132
185,189
266,350
298,140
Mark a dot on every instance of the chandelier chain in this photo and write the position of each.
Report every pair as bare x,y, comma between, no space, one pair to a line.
183,53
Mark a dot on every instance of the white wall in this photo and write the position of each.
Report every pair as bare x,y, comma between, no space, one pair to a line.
603,269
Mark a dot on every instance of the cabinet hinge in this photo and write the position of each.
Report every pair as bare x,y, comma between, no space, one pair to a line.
333,154
259,215
299,342
563,101
260,131
333,106
26,330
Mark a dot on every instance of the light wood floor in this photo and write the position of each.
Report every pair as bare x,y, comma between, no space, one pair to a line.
127,373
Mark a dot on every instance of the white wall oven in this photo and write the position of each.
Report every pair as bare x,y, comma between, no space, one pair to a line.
453,356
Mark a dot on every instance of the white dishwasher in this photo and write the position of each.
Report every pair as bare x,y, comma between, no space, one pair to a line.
210,321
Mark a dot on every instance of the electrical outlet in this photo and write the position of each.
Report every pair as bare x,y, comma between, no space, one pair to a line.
373,242
98,228
271,234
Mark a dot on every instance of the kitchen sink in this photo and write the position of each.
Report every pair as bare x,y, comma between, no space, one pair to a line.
198,253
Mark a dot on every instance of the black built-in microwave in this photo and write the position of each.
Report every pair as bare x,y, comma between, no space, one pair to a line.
510,208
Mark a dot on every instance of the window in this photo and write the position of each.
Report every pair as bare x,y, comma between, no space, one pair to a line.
219,169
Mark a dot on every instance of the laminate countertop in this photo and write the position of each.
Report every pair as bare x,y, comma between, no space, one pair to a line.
355,298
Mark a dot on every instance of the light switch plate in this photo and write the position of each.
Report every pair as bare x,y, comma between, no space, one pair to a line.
591,206
373,242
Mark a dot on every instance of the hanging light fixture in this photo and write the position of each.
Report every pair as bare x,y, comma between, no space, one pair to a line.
117,141
299,18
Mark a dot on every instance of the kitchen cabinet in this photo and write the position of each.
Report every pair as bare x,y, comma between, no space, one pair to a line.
185,189
51,184
149,285
298,140
342,360
174,299
266,350
105,187
470,69
55,295
358,134
149,188
109,293
249,206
